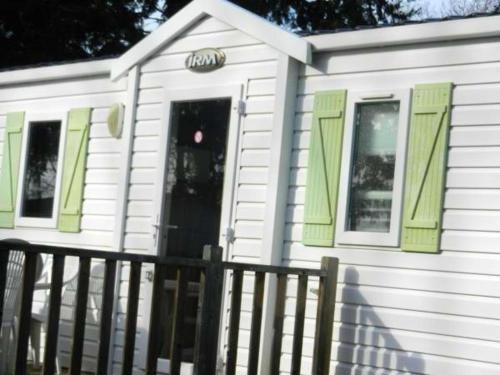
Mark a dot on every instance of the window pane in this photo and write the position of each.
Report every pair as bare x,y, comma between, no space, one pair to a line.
372,174
41,169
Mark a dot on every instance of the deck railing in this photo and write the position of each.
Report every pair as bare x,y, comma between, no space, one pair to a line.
213,271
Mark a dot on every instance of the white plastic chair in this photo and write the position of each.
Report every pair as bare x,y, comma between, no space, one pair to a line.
39,312
13,289
10,308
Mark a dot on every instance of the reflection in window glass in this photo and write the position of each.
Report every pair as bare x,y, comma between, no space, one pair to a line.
372,176
41,169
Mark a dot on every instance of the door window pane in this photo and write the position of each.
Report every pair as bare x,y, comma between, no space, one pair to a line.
372,176
41,169
195,175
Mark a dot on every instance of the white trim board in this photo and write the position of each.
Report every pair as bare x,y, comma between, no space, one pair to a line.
472,28
31,119
56,72
343,235
127,137
233,92
277,191
241,19
123,193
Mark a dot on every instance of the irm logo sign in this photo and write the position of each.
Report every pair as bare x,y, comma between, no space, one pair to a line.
205,60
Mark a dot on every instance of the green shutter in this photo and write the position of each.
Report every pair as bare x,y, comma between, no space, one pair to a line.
426,167
325,153
75,155
9,174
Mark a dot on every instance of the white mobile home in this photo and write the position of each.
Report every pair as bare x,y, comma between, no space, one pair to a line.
380,147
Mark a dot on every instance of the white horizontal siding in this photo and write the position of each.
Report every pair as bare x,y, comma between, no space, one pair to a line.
183,78
467,74
234,56
87,86
396,58
103,158
477,135
401,312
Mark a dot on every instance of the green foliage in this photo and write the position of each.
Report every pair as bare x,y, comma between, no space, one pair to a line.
314,15
40,31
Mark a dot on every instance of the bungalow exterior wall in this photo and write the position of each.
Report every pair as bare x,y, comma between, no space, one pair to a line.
396,312
405,312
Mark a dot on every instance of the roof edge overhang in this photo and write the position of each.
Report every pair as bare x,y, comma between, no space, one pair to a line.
249,23
56,72
442,31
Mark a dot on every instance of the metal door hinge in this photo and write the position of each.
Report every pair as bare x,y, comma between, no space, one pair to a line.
242,108
220,365
229,235
156,226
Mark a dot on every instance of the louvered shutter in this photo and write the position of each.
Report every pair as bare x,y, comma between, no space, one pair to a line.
325,153
75,155
9,175
426,167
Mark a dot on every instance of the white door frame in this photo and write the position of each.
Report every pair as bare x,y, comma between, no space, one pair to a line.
235,93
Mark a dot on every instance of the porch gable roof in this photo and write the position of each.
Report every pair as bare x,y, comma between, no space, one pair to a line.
241,19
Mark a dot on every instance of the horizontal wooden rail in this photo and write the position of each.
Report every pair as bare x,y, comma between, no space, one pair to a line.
273,269
103,255
140,258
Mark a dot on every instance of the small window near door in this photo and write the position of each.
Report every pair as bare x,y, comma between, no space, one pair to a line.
372,168
374,160
41,165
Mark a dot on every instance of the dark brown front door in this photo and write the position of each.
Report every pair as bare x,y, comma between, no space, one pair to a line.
195,175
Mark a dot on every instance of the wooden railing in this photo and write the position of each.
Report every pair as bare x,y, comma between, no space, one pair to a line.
212,273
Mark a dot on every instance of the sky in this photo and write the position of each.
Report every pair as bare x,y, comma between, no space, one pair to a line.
433,6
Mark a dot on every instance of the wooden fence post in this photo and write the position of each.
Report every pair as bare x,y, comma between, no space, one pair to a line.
209,309
80,315
154,319
134,288
324,317
4,260
28,286
52,335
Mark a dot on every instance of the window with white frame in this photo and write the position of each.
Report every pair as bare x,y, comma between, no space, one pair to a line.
371,184
41,169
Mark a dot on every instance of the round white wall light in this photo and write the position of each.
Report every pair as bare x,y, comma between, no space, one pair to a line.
115,119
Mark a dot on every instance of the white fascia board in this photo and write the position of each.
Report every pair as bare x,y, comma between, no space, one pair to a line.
259,28
56,72
186,17
471,28
241,19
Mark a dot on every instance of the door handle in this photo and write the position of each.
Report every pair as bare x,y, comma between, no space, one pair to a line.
158,226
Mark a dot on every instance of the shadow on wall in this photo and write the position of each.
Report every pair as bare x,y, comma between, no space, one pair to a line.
364,338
